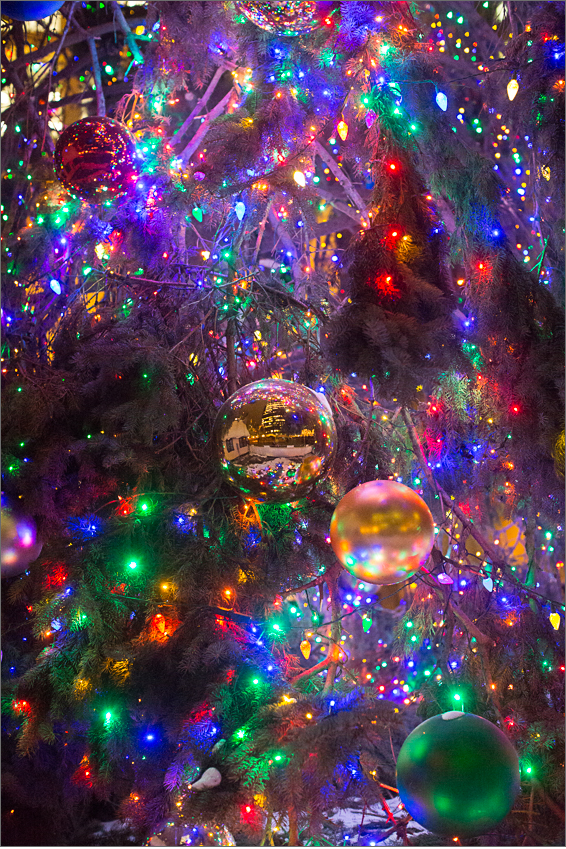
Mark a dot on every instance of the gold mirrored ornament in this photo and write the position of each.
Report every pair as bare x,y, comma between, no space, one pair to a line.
382,532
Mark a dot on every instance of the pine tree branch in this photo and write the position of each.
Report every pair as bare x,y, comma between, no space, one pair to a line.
388,787
308,673
556,809
39,126
231,364
54,65
337,204
531,806
530,547
484,644
75,38
201,103
204,127
401,824
268,831
100,102
335,634
481,638
474,532
332,572
130,40
288,244
511,18
343,179
418,449
261,230
293,826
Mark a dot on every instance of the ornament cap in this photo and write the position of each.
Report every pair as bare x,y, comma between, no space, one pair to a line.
453,714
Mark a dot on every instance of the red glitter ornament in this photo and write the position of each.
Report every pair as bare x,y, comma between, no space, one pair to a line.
95,158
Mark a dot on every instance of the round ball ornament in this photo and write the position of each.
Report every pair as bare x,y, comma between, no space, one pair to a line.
95,158
382,532
458,774
293,17
275,440
29,10
19,544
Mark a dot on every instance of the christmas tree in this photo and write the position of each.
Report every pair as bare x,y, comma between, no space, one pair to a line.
283,431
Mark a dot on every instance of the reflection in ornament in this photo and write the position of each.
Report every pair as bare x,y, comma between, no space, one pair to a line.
294,17
309,469
382,532
95,158
275,440
195,834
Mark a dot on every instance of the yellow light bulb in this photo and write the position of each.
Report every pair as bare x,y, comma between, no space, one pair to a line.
512,89
342,130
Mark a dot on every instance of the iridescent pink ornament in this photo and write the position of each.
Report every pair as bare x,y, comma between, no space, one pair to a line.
19,544
293,17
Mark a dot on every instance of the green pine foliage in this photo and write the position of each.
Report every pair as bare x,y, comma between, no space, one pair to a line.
397,326
161,631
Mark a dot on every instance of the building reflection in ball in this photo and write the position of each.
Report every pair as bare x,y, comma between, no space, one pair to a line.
275,439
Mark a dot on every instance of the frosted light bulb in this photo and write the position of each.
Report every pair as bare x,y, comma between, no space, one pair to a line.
512,89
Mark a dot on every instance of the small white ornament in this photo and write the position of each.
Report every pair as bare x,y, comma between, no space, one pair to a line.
210,778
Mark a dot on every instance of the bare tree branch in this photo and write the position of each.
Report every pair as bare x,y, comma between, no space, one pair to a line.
100,102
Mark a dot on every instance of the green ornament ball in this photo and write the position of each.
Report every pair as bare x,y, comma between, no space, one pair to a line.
458,774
